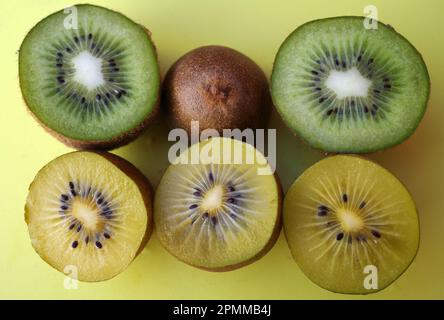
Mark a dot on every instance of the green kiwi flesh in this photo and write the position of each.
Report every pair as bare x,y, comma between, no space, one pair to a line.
349,89
219,87
92,87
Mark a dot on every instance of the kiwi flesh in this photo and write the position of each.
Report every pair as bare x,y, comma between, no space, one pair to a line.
90,210
94,87
347,89
219,87
218,216
346,213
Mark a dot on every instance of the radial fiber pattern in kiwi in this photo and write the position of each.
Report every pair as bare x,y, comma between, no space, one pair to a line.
350,53
80,101
225,221
382,113
331,200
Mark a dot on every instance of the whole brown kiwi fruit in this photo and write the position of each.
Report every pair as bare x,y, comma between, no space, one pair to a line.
219,87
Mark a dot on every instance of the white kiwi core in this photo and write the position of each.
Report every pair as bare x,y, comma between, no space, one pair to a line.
350,221
88,70
213,198
87,213
350,83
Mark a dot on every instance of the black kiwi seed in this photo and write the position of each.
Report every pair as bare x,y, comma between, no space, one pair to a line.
231,200
214,220
193,206
90,36
64,197
197,194
205,215
322,213
231,189
211,177
344,197
362,205
64,207
79,228
106,235
75,244
339,236
87,240
72,226
376,234
98,245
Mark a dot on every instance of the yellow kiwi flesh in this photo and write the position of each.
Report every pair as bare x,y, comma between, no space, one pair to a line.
89,214
218,215
351,226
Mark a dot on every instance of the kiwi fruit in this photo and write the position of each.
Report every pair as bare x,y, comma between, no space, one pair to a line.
344,88
345,214
89,210
96,86
218,215
219,87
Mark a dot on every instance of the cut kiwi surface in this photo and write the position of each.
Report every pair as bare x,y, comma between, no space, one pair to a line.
90,213
218,216
346,213
95,86
343,87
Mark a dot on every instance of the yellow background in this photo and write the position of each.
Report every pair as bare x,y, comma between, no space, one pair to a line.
255,28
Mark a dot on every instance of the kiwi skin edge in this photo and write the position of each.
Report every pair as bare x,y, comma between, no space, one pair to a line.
145,188
407,267
271,242
113,143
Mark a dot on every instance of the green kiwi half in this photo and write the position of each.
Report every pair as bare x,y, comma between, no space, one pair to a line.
94,85
343,87
351,226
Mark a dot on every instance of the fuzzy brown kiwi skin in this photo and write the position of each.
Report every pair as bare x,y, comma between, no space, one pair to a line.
144,187
113,143
219,87
271,242
362,156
